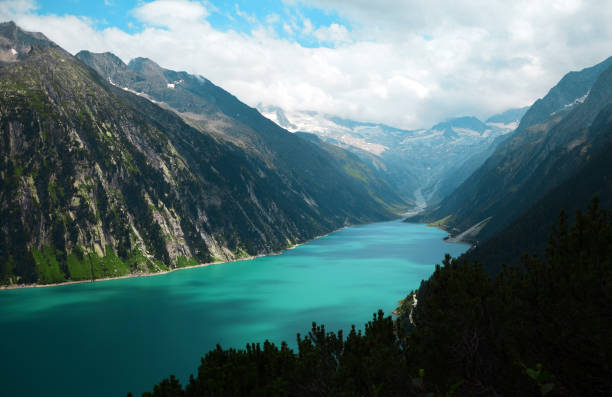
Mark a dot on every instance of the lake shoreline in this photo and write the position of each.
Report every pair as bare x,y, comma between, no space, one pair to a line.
457,239
134,275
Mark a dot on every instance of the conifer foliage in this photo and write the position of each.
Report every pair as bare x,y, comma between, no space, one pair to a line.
542,328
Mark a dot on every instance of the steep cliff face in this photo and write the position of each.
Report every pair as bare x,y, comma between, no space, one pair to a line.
309,165
530,232
553,141
97,182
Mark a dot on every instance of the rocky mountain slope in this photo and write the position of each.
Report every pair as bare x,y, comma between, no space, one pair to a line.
217,113
425,165
16,45
530,231
555,139
97,181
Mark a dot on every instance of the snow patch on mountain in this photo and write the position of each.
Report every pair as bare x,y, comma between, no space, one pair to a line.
570,105
360,143
466,131
503,127
140,94
174,84
577,100
414,159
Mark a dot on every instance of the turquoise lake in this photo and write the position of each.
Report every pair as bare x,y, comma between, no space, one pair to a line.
107,338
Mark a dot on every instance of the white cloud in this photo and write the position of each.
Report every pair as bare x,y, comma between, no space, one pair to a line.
307,26
171,13
288,29
272,19
407,64
333,33
248,17
9,8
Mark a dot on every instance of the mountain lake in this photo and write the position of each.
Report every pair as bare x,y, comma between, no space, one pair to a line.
109,337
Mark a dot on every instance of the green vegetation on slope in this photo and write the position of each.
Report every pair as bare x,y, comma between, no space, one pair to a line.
441,223
542,331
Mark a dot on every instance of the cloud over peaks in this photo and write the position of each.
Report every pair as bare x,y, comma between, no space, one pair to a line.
408,64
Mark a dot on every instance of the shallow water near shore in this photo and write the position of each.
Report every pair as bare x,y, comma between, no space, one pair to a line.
108,338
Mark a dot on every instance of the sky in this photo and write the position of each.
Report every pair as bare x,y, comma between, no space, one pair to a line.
406,63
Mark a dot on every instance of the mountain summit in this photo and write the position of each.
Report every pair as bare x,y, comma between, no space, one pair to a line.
17,44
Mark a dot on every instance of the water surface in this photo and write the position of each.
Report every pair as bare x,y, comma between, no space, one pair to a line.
107,338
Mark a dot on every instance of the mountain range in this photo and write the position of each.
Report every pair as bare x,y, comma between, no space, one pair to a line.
425,165
110,169
558,158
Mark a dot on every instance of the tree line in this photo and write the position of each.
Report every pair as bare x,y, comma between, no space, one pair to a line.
541,328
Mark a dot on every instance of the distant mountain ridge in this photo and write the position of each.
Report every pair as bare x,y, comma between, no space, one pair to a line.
508,116
466,122
99,182
424,165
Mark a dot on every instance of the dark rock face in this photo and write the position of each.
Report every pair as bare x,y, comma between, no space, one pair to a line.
573,87
98,182
16,45
556,138
215,112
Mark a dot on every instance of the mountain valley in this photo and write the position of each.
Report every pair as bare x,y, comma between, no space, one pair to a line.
122,146
425,165
487,239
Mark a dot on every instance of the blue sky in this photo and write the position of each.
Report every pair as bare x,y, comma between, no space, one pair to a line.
238,15
407,63
104,13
